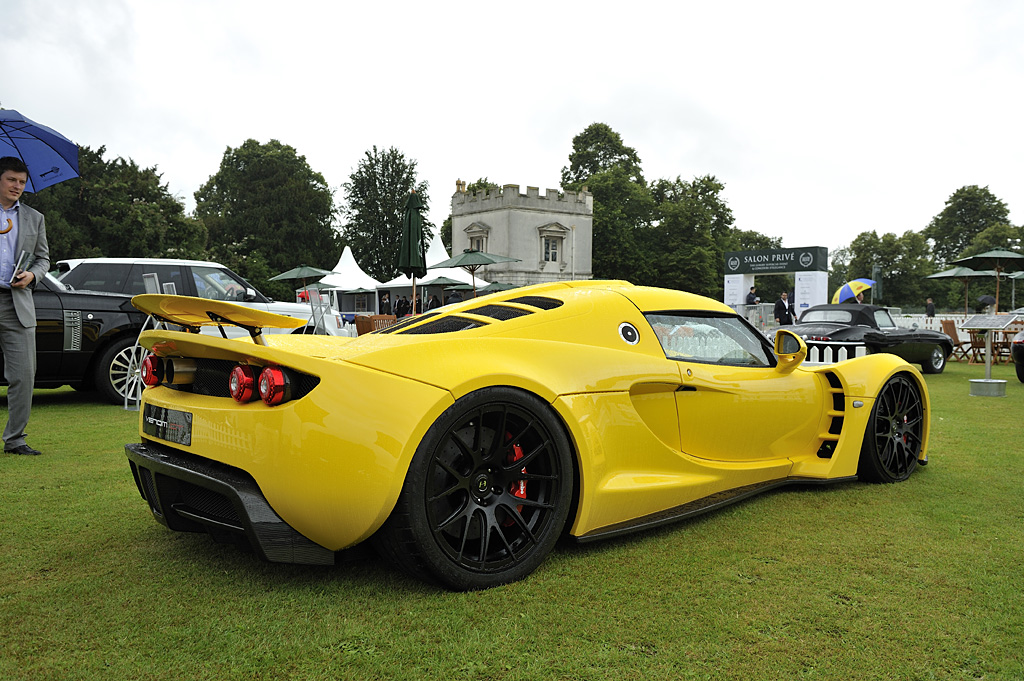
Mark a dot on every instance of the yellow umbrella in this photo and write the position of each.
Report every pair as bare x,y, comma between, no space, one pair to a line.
850,289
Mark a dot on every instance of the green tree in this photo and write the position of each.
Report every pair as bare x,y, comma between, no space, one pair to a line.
838,269
691,233
375,198
999,236
622,213
968,212
596,150
904,262
267,211
116,209
623,206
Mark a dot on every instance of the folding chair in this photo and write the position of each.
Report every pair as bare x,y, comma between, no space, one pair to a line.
960,347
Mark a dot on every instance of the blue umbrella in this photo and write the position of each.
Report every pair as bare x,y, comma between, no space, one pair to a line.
50,156
851,288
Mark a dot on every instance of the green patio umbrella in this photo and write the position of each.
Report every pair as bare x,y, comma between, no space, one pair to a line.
471,260
964,274
302,273
411,259
497,286
1013,295
441,281
1000,260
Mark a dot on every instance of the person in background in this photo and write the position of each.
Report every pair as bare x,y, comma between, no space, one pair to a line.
24,258
783,310
929,308
385,304
752,296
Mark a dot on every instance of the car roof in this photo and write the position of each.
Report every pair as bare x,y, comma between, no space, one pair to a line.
75,262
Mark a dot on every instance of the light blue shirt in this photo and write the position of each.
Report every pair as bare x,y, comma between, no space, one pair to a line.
8,243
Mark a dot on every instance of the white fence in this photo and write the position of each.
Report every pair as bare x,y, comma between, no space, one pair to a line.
830,352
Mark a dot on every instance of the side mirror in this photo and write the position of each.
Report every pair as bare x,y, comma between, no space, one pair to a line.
790,350
250,295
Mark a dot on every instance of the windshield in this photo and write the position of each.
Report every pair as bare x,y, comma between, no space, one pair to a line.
837,316
883,320
713,340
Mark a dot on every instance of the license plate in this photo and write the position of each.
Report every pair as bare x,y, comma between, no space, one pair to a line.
167,424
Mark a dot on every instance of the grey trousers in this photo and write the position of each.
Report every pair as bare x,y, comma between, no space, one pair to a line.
19,347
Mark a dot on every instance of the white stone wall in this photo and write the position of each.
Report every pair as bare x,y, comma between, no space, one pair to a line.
515,224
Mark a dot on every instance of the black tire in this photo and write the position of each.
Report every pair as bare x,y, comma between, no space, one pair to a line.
117,370
894,435
936,361
478,510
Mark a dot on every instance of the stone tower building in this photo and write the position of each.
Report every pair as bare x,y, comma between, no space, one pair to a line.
552,235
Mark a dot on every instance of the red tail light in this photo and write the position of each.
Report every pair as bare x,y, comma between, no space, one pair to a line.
275,386
152,370
242,383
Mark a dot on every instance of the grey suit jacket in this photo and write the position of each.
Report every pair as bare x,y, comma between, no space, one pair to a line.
31,238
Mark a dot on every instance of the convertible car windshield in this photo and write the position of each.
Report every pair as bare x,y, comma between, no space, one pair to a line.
880,317
838,316
713,340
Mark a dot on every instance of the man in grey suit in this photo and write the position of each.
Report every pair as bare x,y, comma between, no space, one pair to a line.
22,231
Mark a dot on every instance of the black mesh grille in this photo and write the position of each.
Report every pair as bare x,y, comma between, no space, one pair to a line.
411,320
149,490
833,380
208,503
542,302
211,377
445,325
838,402
500,312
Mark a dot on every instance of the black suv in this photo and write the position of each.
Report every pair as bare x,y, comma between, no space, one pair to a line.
85,339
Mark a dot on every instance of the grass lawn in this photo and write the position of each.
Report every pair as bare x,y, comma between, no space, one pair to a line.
919,580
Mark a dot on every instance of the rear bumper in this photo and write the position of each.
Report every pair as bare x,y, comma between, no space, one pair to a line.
191,494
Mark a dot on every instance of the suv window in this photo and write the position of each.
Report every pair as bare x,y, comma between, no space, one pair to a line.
218,284
167,274
110,278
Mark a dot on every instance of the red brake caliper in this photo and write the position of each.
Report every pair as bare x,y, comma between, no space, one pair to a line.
518,487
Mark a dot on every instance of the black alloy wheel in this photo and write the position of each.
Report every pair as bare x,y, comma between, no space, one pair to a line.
895,432
487,494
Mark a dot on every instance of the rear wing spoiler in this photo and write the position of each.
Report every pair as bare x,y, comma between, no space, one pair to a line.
192,313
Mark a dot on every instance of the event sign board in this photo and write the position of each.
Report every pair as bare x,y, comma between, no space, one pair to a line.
811,259
810,265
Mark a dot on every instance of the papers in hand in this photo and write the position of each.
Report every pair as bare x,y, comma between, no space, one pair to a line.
20,266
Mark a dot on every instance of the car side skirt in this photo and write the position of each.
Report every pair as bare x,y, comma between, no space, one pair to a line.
191,494
699,506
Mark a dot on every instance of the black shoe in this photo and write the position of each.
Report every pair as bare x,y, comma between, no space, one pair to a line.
23,449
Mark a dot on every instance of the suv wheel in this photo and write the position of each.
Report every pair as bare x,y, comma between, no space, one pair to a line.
117,371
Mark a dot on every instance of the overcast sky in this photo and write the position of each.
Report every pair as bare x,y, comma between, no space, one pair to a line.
822,119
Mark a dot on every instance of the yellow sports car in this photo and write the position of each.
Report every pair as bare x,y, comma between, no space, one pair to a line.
464,442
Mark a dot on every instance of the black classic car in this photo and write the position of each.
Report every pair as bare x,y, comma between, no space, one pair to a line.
85,339
873,326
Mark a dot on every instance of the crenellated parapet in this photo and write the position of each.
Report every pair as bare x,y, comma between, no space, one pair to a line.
510,197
